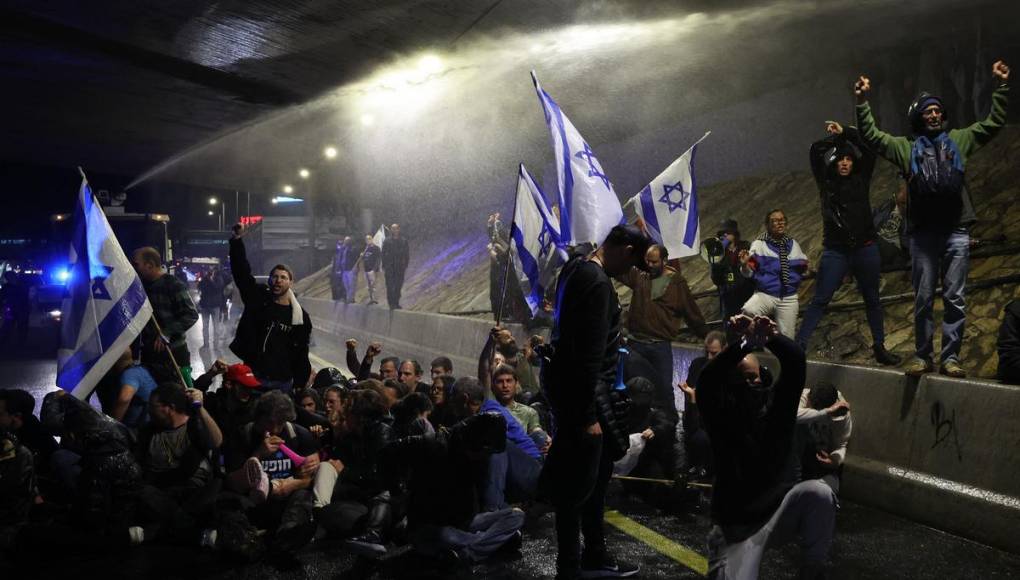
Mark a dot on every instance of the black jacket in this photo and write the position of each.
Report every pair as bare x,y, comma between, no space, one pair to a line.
736,288
254,324
847,221
1009,343
359,453
585,339
396,255
753,452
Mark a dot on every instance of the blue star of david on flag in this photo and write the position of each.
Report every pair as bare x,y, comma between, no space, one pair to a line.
594,168
99,291
675,205
544,241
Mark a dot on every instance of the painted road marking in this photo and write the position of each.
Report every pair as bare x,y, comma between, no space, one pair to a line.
660,543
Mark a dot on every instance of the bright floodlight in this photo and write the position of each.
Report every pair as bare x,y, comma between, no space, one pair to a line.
330,152
430,64
367,120
286,199
212,201
275,201
288,189
304,173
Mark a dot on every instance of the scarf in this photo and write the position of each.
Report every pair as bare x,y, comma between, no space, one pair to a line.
783,245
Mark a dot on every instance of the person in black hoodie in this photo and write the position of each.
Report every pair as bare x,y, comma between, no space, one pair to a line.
1008,344
843,166
756,500
274,332
582,368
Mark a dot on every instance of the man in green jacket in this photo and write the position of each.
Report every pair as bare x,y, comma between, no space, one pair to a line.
939,209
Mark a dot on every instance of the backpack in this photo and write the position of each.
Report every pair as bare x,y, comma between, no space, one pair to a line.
936,170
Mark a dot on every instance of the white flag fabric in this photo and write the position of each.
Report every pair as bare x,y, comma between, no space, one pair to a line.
380,236
536,251
668,206
589,207
106,308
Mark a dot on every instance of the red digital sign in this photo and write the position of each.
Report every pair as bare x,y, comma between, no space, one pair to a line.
249,220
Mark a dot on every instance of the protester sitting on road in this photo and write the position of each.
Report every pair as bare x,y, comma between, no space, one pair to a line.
232,405
411,416
258,449
824,416
16,407
388,367
274,333
410,374
393,391
505,388
443,515
362,370
750,418
17,487
439,394
177,452
657,430
131,405
697,450
441,366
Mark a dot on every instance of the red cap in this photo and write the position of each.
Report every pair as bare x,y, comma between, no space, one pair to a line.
242,375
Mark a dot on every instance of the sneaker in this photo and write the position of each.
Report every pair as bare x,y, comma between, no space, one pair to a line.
608,568
253,479
918,367
884,357
952,368
370,545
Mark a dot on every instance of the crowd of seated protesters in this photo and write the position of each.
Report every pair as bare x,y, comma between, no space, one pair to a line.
372,458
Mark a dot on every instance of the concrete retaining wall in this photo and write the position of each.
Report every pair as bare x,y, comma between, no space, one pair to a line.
405,334
941,451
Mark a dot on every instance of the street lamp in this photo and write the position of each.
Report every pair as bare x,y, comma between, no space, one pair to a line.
210,212
288,189
330,152
304,173
212,201
222,222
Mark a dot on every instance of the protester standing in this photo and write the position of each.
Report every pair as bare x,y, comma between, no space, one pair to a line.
274,332
395,257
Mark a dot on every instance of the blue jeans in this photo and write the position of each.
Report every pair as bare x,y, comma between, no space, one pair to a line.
932,254
865,263
512,474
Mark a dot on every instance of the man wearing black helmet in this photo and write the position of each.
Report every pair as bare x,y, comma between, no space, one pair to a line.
842,167
939,209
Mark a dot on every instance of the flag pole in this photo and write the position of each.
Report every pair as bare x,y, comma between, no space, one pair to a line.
509,240
169,351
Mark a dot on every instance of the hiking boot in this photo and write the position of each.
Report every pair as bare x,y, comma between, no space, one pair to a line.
918,367
607,567
952,368
884,357
370,545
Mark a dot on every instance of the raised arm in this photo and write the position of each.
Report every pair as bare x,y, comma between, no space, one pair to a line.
894,149
240,267
972,138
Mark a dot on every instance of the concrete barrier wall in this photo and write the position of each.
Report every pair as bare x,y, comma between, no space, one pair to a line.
941,451
405,334
944,452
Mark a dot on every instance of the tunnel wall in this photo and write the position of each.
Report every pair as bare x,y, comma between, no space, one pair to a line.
941,451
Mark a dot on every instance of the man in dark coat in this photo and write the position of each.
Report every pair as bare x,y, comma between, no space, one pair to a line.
395,256
274,332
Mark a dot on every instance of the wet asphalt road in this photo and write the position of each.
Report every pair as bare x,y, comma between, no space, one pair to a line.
869,543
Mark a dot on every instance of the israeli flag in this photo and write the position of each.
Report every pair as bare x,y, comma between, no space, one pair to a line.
380,236
589,207
537,253
106,308
668,207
